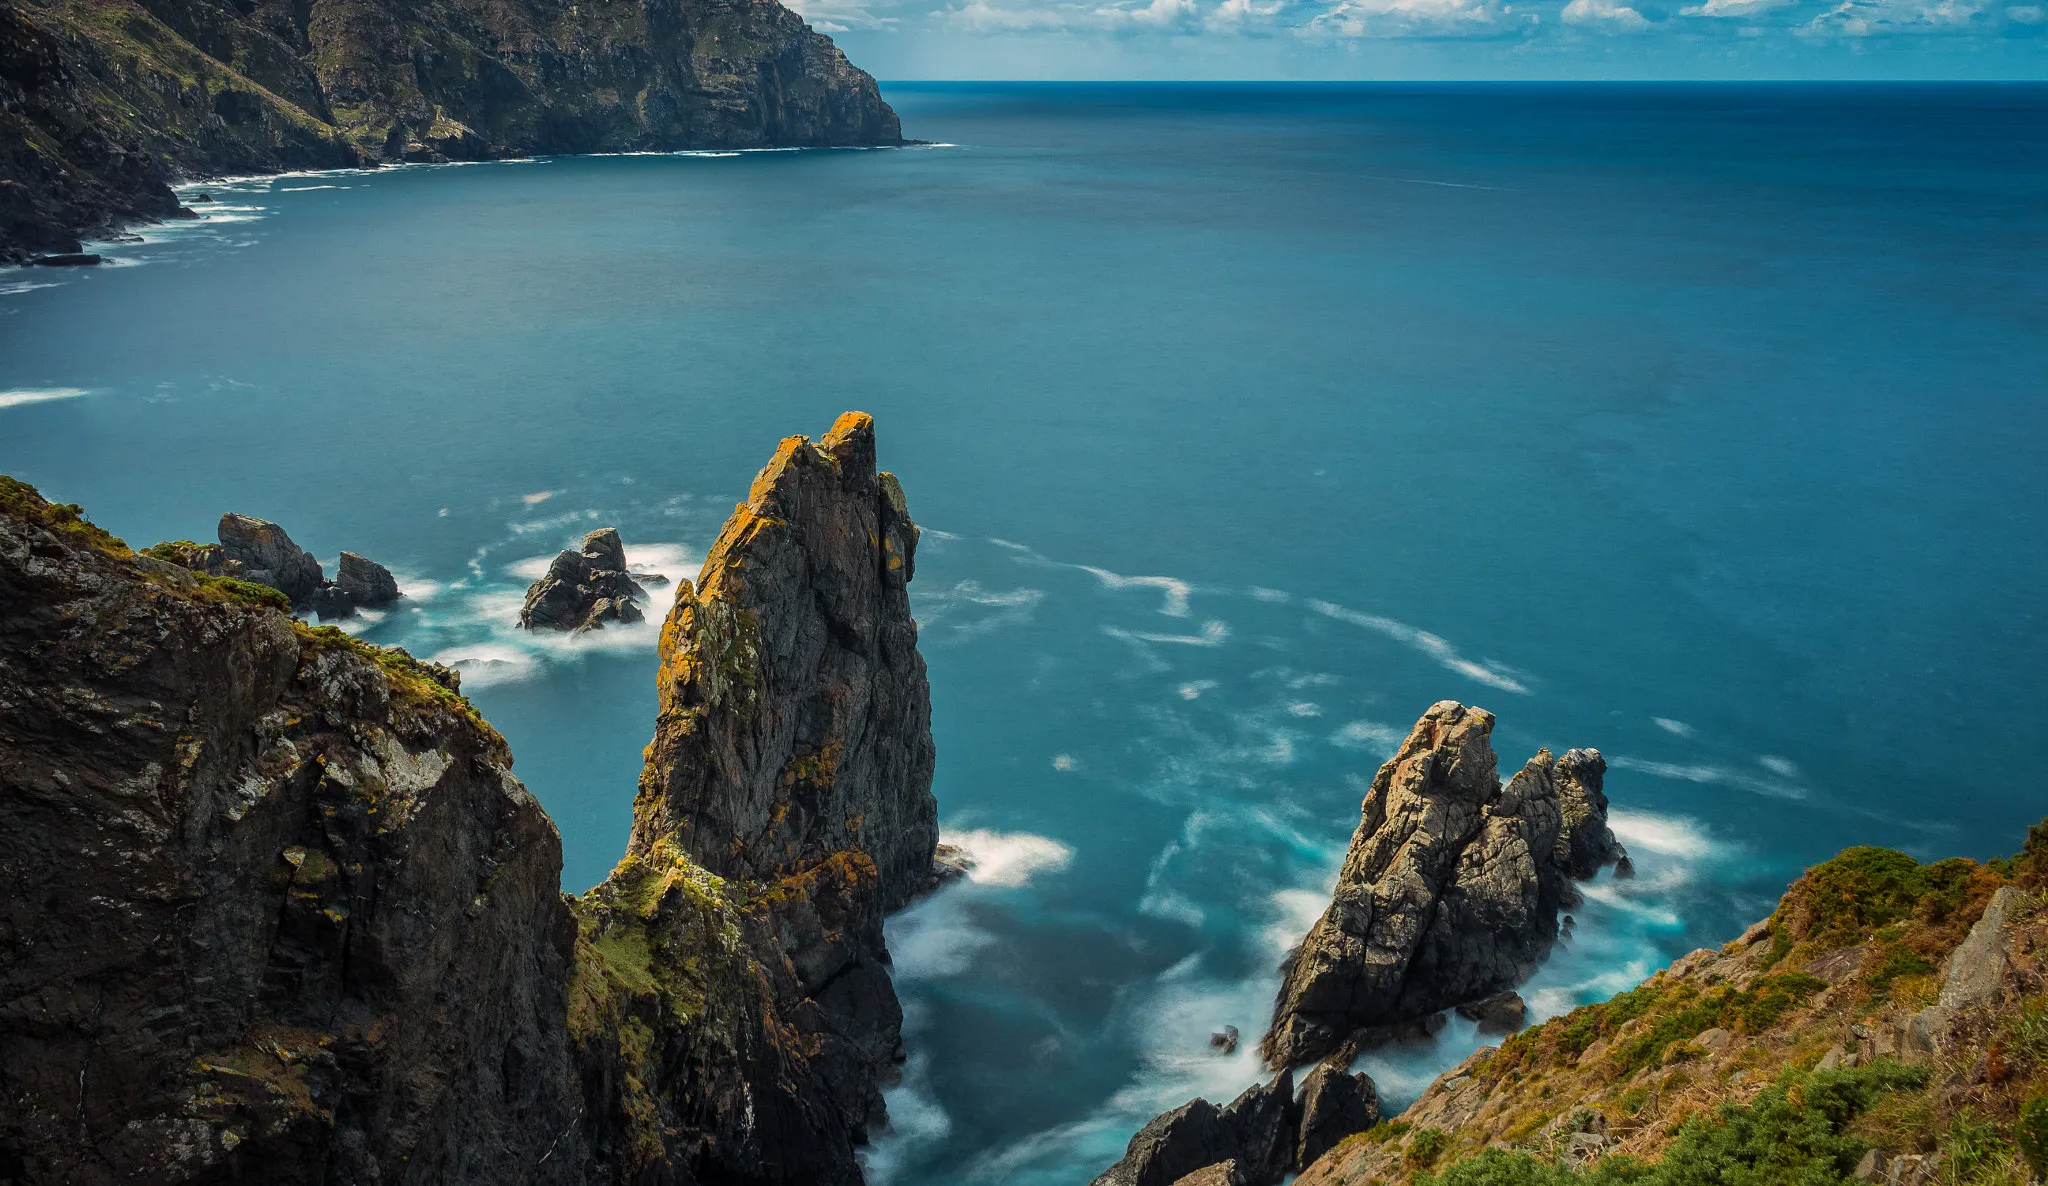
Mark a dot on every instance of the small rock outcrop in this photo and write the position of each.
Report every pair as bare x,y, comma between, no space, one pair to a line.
584,589
1502,1013
1257,1139
258,550
367,583
1450,891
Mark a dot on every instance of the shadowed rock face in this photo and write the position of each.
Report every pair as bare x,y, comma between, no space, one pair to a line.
274,907
1450,890
1255,1140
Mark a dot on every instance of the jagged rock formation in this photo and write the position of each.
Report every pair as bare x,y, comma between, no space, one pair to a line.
583,590
793,755
367,583
276,910
260,552
1255,1140
103,102
1450,890
274,907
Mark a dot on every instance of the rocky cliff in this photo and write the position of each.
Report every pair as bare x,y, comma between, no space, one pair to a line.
1450,890
276,909
1886,1024
103,102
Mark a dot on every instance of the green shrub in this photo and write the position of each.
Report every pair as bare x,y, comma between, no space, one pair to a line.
1426,1146
1790,1135
2031,1134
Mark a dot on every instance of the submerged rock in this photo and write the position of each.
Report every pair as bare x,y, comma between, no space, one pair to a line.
583,590
1451,889
74,259
367,583
258,550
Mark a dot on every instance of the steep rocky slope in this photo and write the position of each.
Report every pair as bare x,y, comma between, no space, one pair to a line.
103,101
1886,1024
276,910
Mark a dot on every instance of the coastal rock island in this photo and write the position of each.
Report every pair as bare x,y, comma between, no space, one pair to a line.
1450,891
104,103
277,909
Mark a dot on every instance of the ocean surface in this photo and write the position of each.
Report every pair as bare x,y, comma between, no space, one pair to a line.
1703,425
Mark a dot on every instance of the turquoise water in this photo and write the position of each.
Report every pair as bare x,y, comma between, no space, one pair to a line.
1701,425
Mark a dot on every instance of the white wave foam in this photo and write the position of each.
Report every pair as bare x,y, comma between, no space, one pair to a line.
21,396
1489,672
1370,735
1680,728
1706,773
1668,835
1782,767
1008,858
1213,634
1194,688
1176,590
20,286
537,497
966,610
1265,594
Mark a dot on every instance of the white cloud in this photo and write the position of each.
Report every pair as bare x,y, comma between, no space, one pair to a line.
1731,8
1878,18
1603,13
1407,18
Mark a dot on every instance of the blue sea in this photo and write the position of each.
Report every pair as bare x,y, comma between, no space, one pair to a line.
1704,425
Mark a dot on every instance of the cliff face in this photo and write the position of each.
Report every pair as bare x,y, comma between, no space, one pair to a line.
275,909
104,100
789,780
1885,1024
1450,890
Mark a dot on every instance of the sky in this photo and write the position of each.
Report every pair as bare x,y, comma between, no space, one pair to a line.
1439,39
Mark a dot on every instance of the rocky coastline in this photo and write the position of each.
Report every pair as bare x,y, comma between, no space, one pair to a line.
277,910
104,105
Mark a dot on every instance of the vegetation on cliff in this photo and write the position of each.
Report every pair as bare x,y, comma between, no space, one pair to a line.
1886,1023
